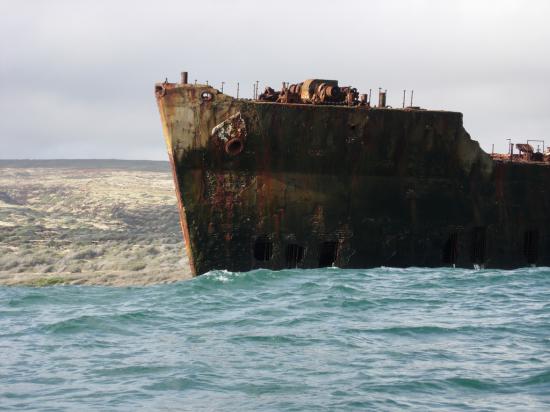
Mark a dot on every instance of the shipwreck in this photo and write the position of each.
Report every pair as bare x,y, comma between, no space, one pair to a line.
314,175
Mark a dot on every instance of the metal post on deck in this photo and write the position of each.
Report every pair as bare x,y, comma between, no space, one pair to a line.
382,98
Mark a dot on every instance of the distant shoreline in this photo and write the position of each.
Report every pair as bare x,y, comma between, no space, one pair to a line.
143,165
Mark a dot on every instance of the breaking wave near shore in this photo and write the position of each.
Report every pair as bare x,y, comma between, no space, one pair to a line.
325,339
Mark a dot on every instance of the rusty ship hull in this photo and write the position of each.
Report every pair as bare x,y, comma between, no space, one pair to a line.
265,184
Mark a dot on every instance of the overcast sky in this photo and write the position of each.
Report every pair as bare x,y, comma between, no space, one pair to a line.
76,77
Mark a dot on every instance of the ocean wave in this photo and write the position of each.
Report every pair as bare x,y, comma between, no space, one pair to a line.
380,338
542,378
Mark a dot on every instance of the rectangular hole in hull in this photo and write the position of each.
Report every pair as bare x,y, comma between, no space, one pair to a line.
450,249
263,249
327,254
294,255
479,235
531,246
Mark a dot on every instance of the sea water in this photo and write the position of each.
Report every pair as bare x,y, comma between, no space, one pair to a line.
292,340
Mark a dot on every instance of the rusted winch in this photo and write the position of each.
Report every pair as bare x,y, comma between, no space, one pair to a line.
314,91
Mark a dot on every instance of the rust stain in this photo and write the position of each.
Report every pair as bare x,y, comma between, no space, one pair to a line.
183,218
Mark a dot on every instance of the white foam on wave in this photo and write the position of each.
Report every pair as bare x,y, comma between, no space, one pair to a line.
221,275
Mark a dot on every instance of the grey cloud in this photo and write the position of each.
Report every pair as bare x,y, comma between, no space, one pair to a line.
77,76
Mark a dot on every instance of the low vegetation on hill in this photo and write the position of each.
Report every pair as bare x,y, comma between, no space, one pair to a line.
110,223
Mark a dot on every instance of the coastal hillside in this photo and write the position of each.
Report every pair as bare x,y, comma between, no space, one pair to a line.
105,222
